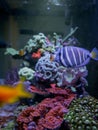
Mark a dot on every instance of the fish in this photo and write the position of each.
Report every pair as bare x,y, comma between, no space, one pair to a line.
22,52
72,56
10,94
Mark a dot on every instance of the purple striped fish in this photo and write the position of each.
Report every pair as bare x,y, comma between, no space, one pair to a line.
70,56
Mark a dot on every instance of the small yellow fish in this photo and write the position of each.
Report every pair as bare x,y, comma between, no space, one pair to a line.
22,52
9,94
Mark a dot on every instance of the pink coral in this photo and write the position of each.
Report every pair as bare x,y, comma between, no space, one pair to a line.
34,89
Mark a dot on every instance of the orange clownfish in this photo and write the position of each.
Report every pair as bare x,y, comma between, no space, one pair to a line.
9,94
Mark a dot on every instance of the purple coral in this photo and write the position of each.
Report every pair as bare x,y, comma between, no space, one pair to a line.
73,78
12,76
51,71
46,69
70,76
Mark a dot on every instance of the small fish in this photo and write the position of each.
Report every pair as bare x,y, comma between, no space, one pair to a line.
37,54
22,52
70,56
9,94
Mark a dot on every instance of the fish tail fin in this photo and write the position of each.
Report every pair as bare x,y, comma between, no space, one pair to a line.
94,54
21,92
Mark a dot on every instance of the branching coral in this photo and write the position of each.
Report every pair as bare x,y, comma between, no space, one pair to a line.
48,114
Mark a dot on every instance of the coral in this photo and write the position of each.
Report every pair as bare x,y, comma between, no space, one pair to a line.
57,39
41,41
7,115
34,89
26,72
53,118
72,31
10,125
48,48
35,43
46,69
56,91
52,72
83,114
12,76
19,109
11,51
71,41
37,54
55,85
69,76
48,114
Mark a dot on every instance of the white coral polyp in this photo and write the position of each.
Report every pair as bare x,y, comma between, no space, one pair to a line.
27,73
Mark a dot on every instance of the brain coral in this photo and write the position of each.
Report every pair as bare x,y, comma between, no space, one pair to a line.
46,69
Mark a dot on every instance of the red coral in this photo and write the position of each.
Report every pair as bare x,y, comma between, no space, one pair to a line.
54,117
34,89
48,114
37,54
57,91
53,90
51,122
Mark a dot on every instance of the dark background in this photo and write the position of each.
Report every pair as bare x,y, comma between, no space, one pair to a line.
84,14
